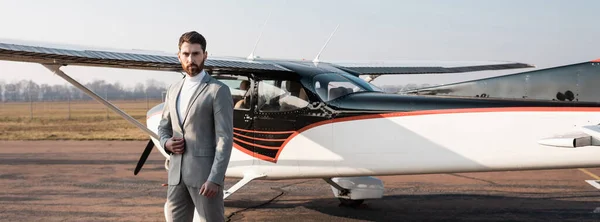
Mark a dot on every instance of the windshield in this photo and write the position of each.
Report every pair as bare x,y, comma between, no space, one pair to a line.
330,86
361,81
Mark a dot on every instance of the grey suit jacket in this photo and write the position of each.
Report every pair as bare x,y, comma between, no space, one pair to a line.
207,129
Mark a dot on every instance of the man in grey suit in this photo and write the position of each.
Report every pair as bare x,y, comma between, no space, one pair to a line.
197,131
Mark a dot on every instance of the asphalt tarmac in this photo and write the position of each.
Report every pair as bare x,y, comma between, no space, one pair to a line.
94,181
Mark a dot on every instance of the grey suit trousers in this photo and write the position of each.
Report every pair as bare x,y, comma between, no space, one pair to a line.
181,200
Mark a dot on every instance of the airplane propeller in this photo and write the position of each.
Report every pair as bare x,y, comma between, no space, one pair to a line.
144,156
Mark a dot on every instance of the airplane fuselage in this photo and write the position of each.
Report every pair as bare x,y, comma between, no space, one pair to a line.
368,133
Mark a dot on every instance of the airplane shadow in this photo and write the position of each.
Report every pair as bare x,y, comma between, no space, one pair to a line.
436,207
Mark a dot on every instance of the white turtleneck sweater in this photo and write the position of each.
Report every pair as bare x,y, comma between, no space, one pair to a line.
190,84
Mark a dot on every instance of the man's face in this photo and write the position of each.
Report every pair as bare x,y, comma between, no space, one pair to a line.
192,58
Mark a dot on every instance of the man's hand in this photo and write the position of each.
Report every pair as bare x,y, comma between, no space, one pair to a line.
175,145
209,189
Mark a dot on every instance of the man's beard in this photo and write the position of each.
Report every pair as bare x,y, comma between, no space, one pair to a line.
193,69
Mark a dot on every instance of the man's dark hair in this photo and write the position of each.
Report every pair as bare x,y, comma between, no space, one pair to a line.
193,37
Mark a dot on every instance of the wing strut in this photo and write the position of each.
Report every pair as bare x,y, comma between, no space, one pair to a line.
56,70
248,176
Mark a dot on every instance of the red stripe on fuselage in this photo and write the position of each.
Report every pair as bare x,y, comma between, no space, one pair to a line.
260,139
258,145
471,110
255,155
264,132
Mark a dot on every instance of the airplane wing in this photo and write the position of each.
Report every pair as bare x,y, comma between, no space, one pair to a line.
377,69
54,56
45,53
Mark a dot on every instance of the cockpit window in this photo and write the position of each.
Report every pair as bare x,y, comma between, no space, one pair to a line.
330,86
281,95
239,86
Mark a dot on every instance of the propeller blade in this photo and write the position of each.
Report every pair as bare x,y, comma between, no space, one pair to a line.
144,156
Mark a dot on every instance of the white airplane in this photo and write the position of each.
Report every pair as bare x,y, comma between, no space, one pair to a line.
301,119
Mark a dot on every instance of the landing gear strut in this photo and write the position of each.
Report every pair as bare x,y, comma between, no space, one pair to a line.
353,191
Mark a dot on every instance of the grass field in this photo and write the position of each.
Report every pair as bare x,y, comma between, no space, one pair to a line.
88,120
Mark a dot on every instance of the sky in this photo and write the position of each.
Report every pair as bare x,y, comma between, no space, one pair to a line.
543,33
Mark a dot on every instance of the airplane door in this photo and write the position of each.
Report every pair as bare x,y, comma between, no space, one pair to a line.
243,118
275,123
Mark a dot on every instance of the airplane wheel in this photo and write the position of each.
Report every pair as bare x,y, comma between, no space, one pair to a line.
350,203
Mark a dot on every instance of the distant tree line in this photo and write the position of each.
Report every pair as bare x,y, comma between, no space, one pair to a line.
27,90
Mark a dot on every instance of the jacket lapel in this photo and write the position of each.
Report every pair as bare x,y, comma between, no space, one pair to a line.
195,96
173,104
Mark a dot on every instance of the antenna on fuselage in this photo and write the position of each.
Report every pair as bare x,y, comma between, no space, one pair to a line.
252,56
316,60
